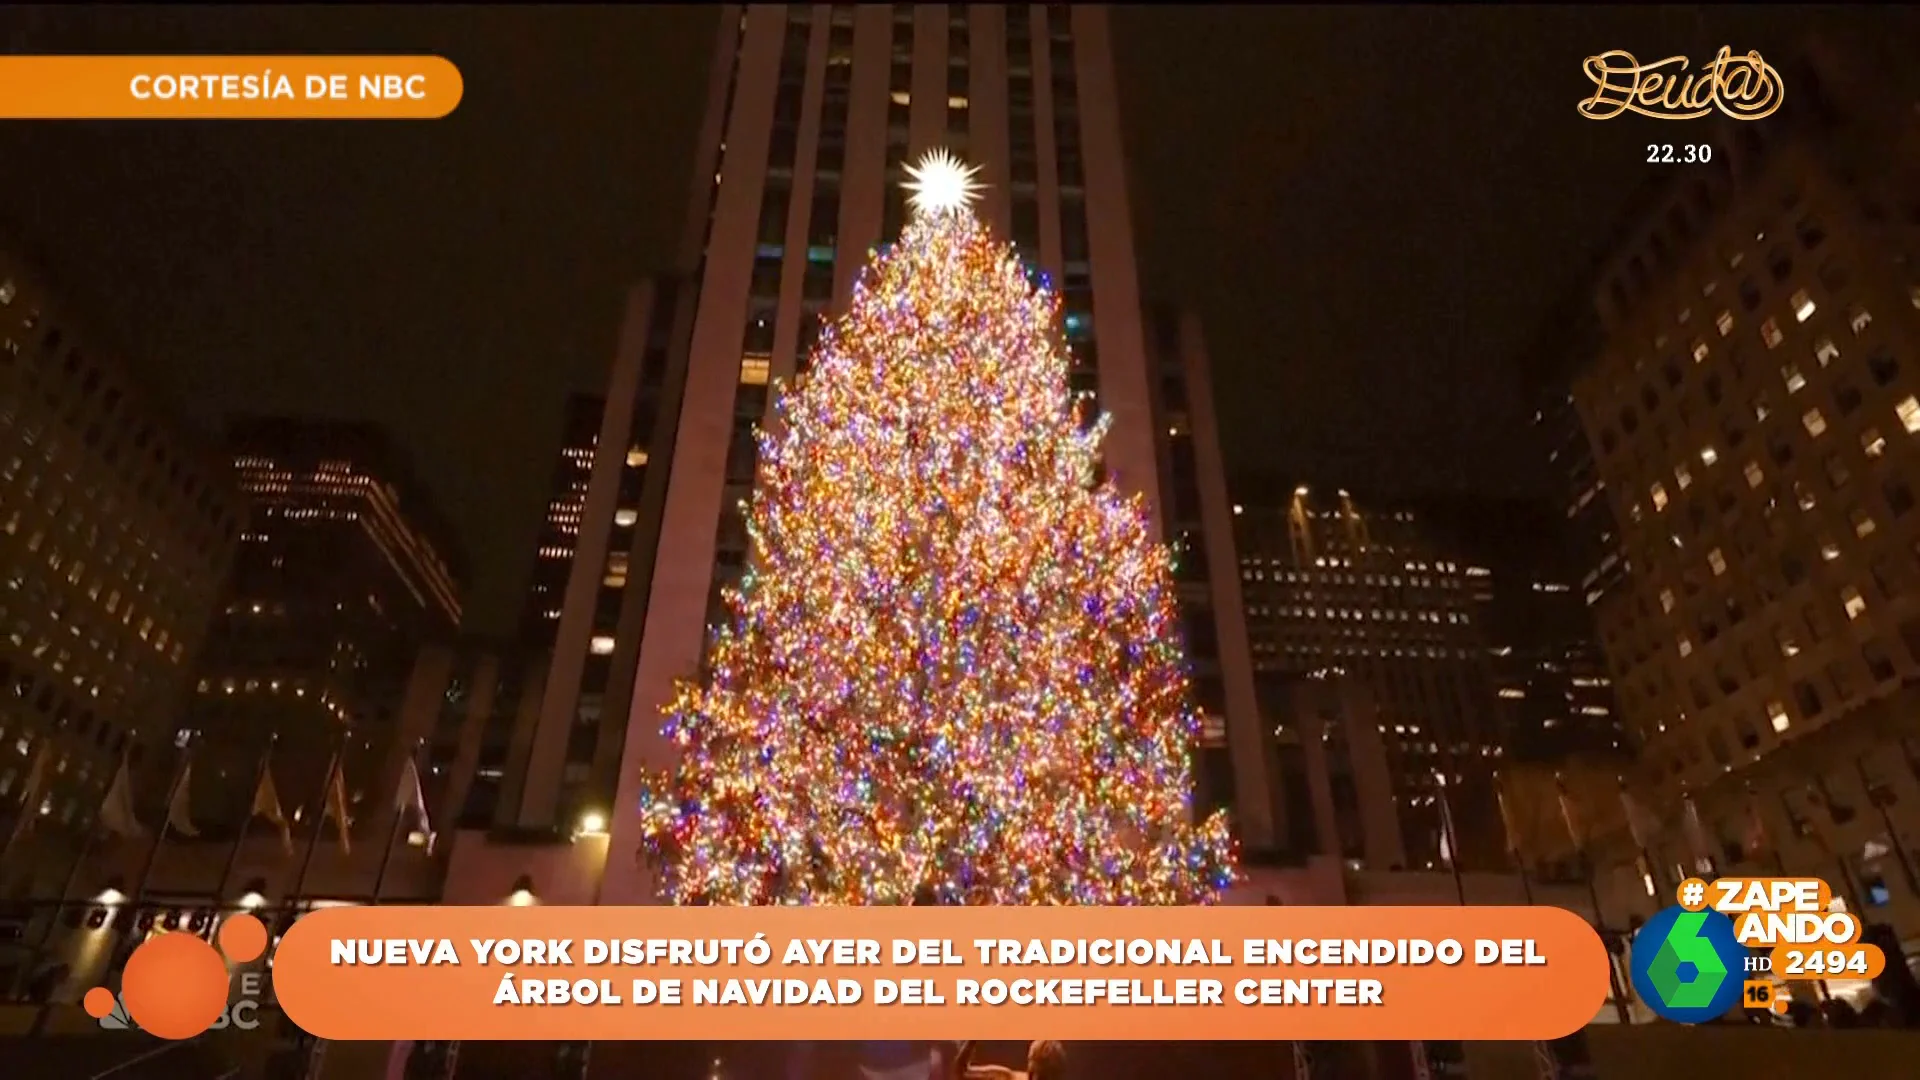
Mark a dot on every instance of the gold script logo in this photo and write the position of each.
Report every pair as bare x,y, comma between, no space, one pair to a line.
1743,87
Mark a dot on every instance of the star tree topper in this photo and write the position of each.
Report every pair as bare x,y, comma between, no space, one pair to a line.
940,183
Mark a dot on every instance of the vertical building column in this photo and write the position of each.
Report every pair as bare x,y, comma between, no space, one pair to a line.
989,146
539,796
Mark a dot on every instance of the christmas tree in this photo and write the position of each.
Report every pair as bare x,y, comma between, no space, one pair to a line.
952,672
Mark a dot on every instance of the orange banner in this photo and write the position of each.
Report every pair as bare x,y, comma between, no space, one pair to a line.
228,87
936,972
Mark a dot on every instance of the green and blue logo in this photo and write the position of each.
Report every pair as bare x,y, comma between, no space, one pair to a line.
1688,966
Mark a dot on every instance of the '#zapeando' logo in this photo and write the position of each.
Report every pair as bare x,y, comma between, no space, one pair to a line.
175,985
1687,965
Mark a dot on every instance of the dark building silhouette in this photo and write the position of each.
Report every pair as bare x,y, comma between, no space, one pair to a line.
345,570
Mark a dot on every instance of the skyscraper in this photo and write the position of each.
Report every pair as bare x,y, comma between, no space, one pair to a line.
1754,416
814,112
560,529
345,569
117,523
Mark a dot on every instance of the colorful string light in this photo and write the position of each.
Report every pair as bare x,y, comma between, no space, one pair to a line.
953,671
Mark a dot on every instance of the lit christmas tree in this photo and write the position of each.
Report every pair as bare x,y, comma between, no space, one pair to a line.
952,672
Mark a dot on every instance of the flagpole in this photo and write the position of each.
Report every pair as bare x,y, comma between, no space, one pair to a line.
1893,834
319,826
1452,840
246,823
60,904
399,819
160,834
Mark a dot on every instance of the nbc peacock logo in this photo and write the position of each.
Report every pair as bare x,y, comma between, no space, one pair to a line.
176,986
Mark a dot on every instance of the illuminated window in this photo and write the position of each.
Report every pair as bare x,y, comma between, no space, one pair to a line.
1871,443
1682,477
1829,550
1708,455
1853,602
1815,423
1777,716
1788,647
1717,561
1862,523
1686,647
1666,599
1826,351
601,645
1860,318
1724,321
1795,381
1754,476
753,371
624,517
616,576
1803,306
1699,350
1659,493
1909,413
1770,333
636,458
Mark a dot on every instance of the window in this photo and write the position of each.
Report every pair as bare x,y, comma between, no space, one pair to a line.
1794,380
753,371
625,517
1724,321
1883,367
1682,477
1837,472
1686,647
1899,496
1825,351
1755,477
1815,423
1859,319
1851,600
1803,306
1862,522
1708,455
1770,333
1909,412
1777,716
1666,599
601,645
1659,493
1783,637
1717,562
1872,444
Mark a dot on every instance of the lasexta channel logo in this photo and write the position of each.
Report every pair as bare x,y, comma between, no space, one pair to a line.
1687,965
175,985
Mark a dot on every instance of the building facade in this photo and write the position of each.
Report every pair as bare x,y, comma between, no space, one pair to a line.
814,112
345,570
1367,597
1754,415
117,525
560,528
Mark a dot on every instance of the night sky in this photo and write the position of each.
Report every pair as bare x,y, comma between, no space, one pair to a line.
1372,209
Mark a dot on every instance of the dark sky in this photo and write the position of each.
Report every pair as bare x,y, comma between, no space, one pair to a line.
1371,207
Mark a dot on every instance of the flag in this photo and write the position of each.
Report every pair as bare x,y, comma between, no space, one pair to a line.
30,792
336,808
1448,846
1640,822
1569,816
116,810
411,799
179,811
266,804
1696,834
1506,817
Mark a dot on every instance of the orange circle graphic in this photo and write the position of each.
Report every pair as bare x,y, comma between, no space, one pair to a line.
98,1002
175,986
243,938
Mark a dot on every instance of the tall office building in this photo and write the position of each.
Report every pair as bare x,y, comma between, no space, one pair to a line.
345,569
1754,415
814,112
560,529
1366,597
116,527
